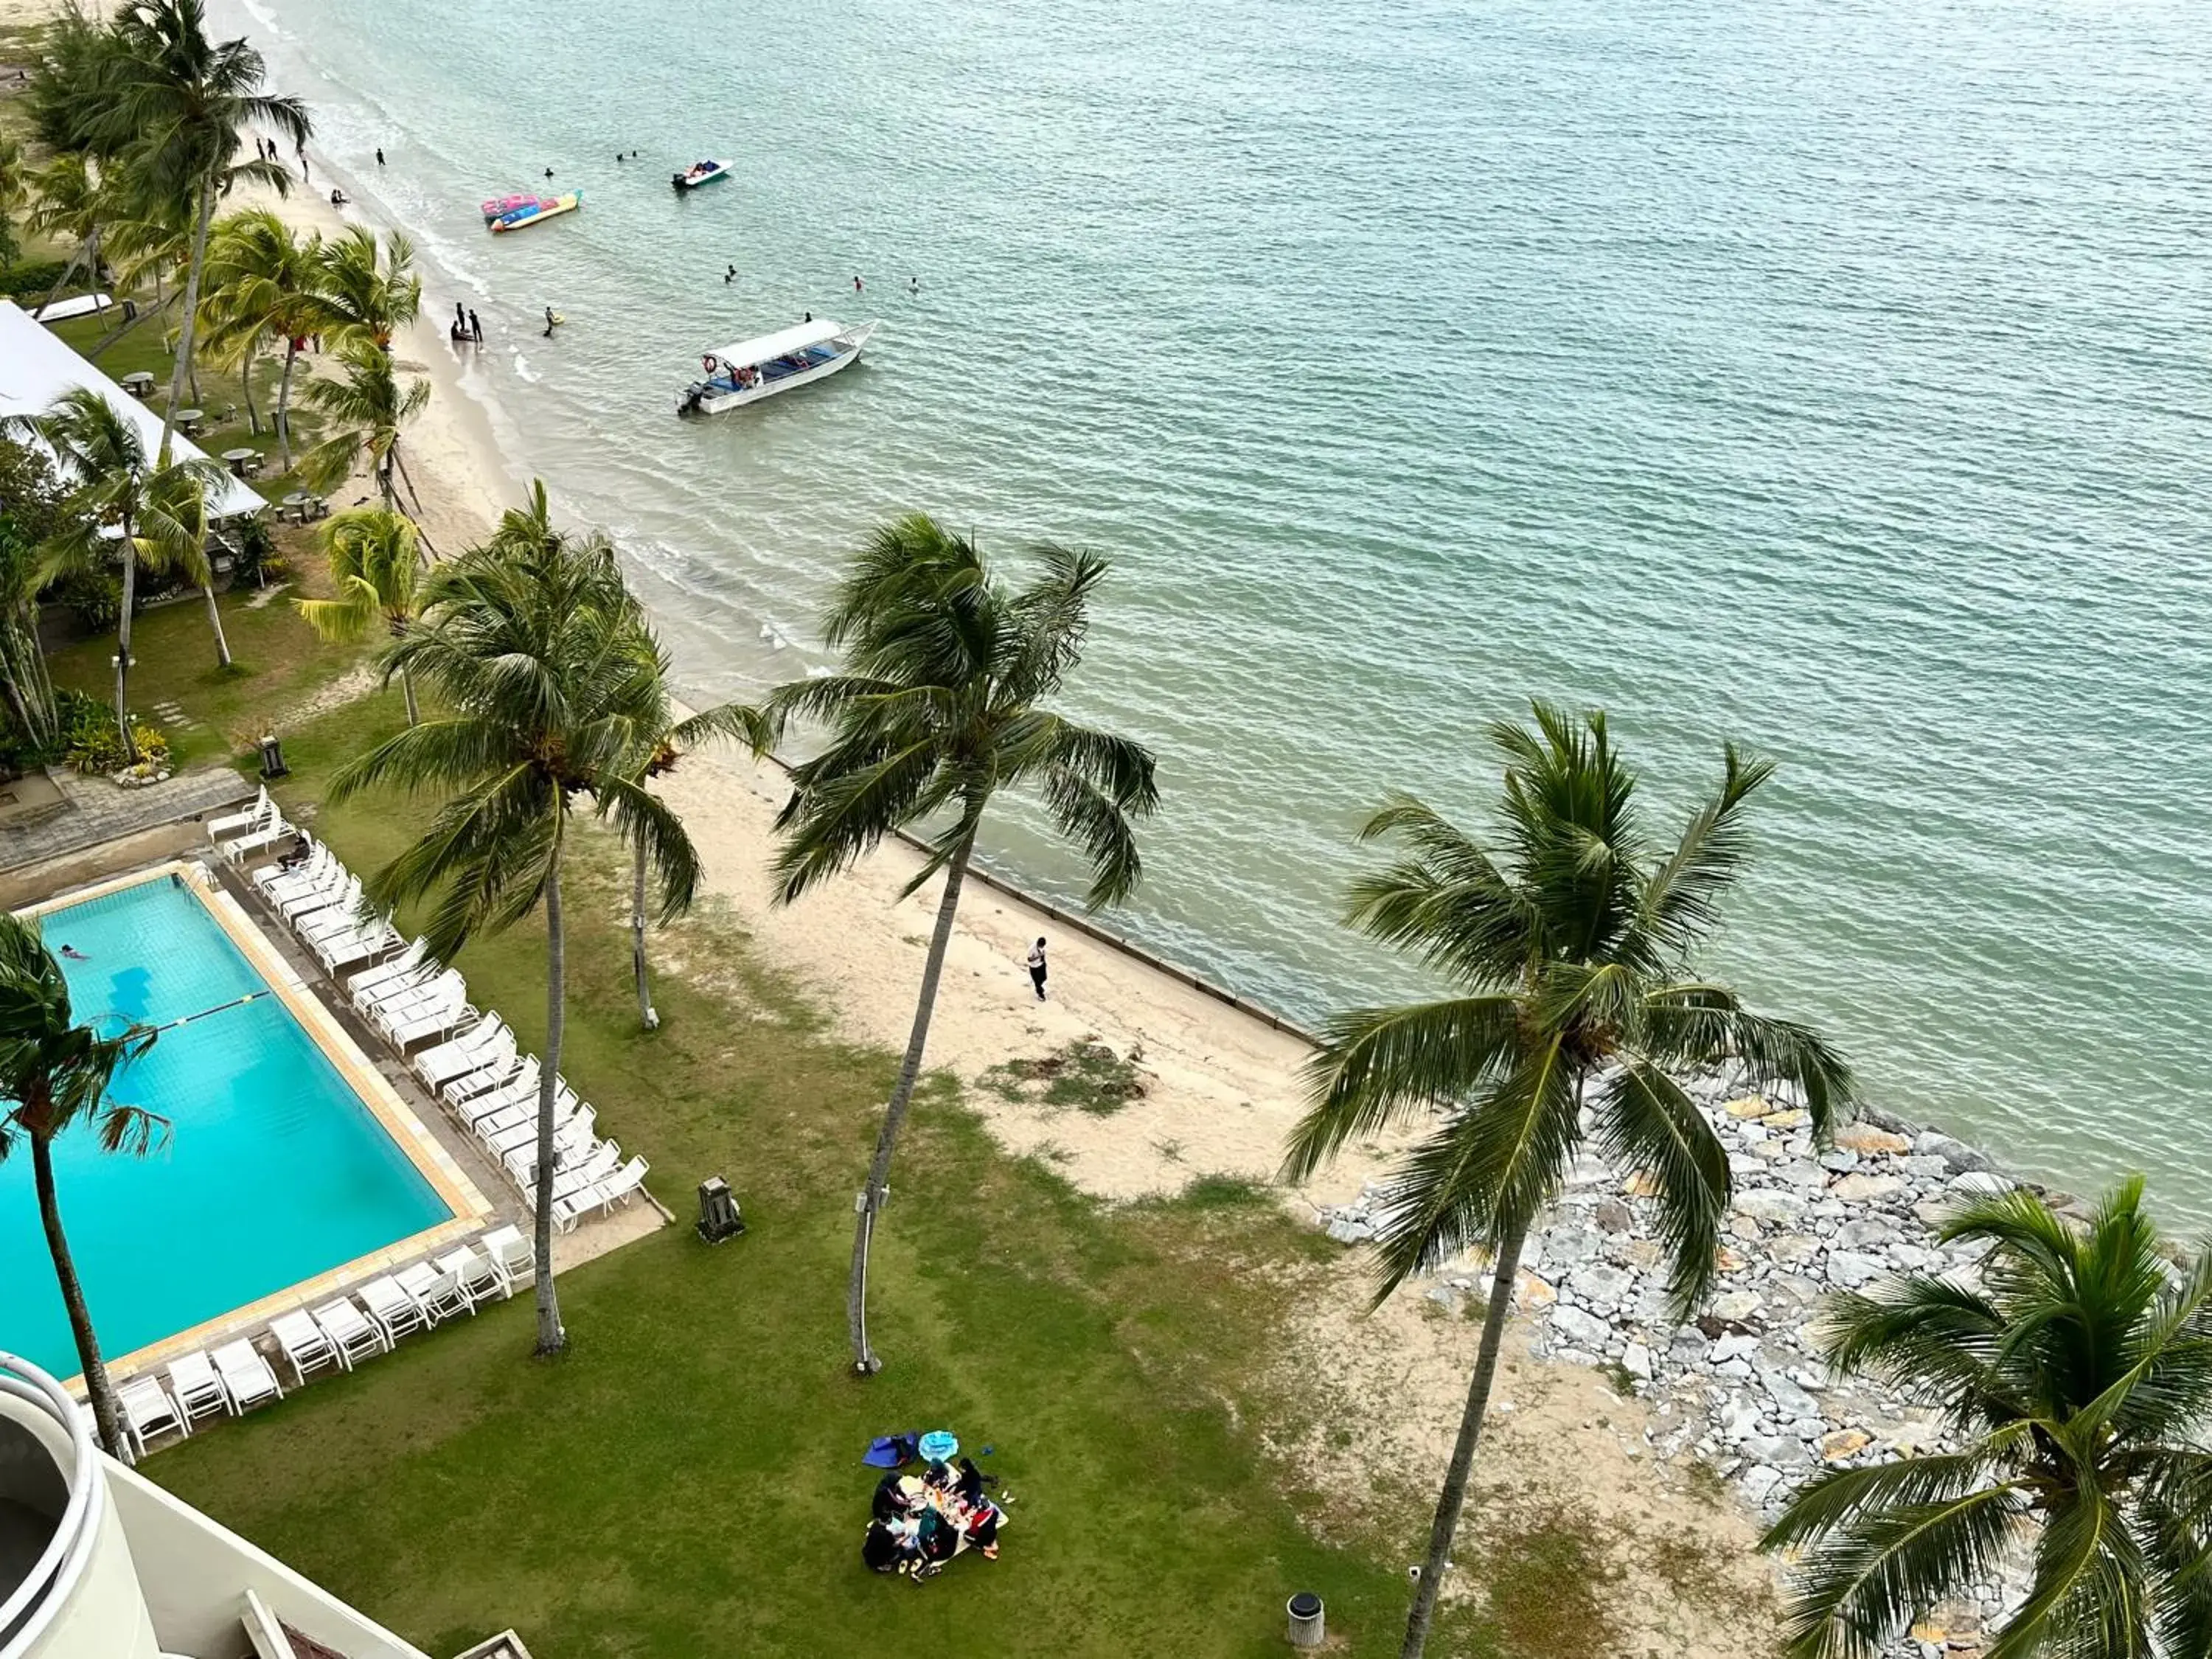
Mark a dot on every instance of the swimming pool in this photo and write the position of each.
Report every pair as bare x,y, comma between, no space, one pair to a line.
277,1172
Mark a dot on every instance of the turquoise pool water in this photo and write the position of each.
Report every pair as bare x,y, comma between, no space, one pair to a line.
275,1169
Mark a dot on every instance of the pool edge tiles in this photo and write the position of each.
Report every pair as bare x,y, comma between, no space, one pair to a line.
468,1211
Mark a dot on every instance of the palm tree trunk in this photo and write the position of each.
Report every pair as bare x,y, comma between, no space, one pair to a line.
76,258
645,1012
108,1419
214,621
865,1360
550,1337
123,642
188,323
407,690
245,383
1503,1271
285,403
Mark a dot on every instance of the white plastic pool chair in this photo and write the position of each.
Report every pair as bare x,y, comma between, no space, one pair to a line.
493,1128
148,1411
517,1147
514,1257
232,823
276,883
420,986
364,944
353,1336
435,1025
621,1187
247,1375
391,1308
520,1085
584,1167
485,1079
437,1292
479,1281
349,913
304,1345
401,970
195,1388
443,1000
486,1041
294,904
270,830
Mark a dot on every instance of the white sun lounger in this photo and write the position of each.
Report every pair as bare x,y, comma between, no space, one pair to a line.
520,1085
348,915
438,1293
390,1005
306,900
148,1411
305,1346
523,1131
514,1257
276,881
372,984
478,1278
394,1311
362,945
523,1113
353,1336
232,823
195,1388
621,1186
272,830
247,1375
483,1043
484,1080
587,1167
435,1024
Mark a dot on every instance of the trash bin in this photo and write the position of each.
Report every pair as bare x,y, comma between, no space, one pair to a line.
1306,1620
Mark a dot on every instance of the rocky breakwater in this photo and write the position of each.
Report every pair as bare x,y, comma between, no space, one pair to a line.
1739,1386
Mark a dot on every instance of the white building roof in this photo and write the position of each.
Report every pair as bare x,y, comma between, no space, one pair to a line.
768,347
37,365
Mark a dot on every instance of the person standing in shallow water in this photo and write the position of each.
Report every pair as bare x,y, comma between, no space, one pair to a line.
1036,968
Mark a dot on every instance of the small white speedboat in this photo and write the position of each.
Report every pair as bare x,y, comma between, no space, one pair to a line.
751,370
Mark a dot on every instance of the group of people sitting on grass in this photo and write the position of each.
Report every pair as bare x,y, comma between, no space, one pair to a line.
922,1521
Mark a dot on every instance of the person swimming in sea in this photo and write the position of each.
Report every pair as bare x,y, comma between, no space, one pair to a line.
552,321
731,275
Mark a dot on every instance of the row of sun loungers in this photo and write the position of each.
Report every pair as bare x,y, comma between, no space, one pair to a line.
473,1062
233,1379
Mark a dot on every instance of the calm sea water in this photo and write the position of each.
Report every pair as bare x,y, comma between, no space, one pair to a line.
1830,376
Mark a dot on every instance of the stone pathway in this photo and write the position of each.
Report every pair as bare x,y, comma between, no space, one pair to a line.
98,811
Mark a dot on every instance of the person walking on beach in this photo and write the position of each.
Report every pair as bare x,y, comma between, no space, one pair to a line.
380,155
1036,968
476,328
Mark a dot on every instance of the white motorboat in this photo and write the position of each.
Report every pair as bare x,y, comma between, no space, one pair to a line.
751,370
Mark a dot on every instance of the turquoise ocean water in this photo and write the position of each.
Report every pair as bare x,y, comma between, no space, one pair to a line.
1831,376
274,1170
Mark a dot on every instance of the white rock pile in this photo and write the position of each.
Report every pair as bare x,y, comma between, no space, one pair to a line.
1740,1386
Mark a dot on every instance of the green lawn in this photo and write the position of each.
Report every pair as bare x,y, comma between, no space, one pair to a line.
278,664
687,1479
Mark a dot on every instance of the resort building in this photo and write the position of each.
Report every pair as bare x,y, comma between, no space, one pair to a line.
97,1562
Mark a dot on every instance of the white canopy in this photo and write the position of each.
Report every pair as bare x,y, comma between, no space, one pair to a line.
746,352
36,367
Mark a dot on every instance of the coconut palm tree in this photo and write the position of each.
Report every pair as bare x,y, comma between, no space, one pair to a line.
264,283
69,86
178,111
367,407
376,560
153,516
551,685
35,512
15,186
72,199
943,703
1570,947
55,1073
369,289
2076,1369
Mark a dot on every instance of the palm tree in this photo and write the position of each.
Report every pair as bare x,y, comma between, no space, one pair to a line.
56,1073
941,707
154,514
543,658
1570,946
179,110
369,290
2075,1368
14,186
70,197
35,512
376,560
368,407
265,284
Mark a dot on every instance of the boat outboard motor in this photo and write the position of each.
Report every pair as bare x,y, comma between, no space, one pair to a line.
676,181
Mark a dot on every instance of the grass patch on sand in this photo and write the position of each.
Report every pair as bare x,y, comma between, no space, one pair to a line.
1087,1076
